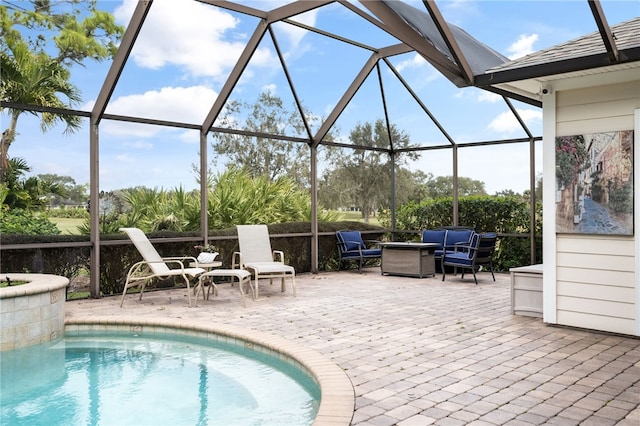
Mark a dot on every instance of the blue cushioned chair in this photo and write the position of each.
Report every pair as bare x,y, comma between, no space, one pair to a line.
478,253
351,246
447,239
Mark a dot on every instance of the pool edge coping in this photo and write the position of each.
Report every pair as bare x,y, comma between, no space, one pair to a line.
337,395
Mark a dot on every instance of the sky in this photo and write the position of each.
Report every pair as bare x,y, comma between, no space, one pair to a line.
187,49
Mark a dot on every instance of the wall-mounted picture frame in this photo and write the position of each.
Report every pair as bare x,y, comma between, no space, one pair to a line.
594,183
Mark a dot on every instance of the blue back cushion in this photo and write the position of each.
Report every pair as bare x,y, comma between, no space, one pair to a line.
458,236
431,236
351,238
473,244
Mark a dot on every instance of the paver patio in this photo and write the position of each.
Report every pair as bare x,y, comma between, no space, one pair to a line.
423,351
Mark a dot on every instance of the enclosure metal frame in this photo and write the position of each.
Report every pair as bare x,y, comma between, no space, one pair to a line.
454,67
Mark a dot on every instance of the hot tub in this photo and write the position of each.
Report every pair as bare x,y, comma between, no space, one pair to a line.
32,313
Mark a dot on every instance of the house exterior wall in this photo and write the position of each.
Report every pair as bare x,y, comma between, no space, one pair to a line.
591,281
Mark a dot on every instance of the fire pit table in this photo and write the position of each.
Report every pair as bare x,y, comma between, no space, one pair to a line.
409,259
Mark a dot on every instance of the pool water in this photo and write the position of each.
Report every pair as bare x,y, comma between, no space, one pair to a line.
121,380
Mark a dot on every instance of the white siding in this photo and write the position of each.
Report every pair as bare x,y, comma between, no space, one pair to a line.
596,275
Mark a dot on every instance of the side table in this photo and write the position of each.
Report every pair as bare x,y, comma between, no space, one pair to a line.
207,266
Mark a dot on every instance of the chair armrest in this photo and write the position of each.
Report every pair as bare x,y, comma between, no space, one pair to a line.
176,261
278,254
141,269
236,260
455,246
181,258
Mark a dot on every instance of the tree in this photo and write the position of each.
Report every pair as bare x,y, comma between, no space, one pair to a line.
364,174
271,158
70,192
28,194
411,185
34,76
442,186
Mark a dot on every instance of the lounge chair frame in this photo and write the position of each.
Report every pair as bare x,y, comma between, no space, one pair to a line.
155,266
257,257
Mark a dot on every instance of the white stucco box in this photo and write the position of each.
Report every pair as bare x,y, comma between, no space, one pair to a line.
526,290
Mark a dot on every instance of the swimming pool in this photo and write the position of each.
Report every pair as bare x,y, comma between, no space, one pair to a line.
114,378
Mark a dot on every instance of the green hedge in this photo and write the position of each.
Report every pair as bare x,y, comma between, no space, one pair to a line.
500,214
64,261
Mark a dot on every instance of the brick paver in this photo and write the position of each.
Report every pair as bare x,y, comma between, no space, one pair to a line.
423,351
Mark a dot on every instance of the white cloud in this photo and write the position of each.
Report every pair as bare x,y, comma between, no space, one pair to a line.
486,96
190,137
194,36
522,46
477,95
506,123
270,88
139,144
296,34
180,104
416,62
125,158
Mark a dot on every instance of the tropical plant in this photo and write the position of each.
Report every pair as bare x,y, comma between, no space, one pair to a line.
34,79
235,198
41,41
30,193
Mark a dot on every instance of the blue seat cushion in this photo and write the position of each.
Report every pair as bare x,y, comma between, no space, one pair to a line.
372,253
365,253
460,258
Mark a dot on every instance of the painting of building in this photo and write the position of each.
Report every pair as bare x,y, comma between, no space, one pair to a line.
594,183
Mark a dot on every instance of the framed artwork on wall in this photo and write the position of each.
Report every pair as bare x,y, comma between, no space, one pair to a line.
594,183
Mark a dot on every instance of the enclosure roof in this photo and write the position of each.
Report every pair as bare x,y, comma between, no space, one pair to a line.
454,53
479,56
587,54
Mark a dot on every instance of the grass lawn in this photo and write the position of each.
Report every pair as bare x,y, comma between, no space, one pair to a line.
67,225
356,217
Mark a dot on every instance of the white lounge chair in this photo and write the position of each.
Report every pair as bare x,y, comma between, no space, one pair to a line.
256,256
155,266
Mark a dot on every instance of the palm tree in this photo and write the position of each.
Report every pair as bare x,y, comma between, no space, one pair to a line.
33,79
29,193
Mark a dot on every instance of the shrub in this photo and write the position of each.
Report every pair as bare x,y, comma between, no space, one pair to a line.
71,213
17,221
